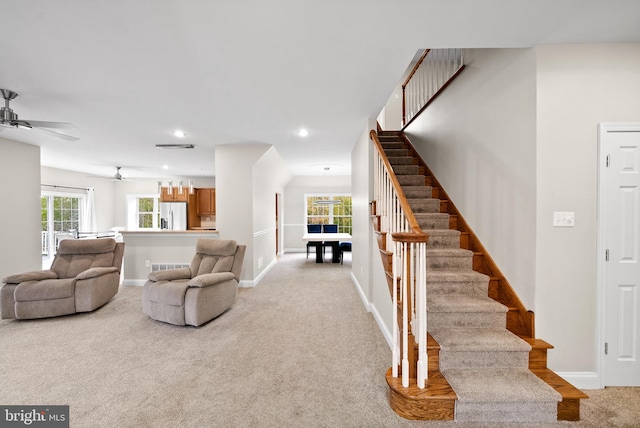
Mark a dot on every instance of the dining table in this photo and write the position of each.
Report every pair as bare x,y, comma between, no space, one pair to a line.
333,238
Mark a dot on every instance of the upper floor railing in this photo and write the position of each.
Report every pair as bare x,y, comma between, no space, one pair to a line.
408,243
435,69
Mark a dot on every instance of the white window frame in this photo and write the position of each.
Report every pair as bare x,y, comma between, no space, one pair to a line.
329,195
51,236
132,211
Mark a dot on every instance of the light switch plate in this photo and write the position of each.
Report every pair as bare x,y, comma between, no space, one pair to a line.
564,219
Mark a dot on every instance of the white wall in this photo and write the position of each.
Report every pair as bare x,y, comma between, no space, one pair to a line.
245,172
20,208
479,139
367,270
294,207
579,86
270,174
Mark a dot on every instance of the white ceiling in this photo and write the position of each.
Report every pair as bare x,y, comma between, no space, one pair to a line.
127,73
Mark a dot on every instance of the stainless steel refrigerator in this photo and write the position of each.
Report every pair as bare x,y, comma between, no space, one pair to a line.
173,215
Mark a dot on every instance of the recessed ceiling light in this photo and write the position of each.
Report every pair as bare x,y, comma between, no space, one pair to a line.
302,132
178,133
165,166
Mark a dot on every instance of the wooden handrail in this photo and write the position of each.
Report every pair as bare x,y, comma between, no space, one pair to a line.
413,223
432,99
419,96
406,81
415,68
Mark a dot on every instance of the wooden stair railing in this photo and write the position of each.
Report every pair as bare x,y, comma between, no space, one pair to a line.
406,245
430,76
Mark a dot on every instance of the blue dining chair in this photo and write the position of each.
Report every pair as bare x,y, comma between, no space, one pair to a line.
344,246
331,228
314,228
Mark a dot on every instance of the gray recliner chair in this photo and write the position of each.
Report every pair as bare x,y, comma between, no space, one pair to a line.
199,293
84,275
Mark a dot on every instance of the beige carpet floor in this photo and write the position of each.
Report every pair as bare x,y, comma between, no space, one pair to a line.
298,350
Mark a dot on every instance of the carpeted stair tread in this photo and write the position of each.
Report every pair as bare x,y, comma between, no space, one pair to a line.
420,191
424,205
455,276
430,221
448,252
401,160
457,282
411,180
499,385
463,303
479,340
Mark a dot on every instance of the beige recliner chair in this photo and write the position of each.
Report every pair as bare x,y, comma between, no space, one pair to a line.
199,293
84,275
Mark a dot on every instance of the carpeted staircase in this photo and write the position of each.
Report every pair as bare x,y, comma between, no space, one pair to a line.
486,365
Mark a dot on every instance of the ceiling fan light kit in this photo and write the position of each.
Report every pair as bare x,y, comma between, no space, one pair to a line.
10,119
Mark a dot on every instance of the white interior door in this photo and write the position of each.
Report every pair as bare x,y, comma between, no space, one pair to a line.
619,208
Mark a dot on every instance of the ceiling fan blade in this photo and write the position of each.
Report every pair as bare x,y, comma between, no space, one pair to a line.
59,134
44,124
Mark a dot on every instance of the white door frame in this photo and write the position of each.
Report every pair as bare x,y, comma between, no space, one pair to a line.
603,129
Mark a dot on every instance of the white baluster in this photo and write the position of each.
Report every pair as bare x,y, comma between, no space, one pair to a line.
405,320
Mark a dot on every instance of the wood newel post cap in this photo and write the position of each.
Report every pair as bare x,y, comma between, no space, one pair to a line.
411,237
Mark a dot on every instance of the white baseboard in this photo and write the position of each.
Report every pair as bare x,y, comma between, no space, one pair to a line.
367,305
247,283
383,328
374,311
582,380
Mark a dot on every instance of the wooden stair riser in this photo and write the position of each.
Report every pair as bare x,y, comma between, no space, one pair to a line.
381,238
387,260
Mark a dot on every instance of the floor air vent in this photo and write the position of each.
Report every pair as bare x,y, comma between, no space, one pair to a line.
166,266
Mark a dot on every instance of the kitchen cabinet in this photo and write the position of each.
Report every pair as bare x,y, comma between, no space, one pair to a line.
174,196
206,201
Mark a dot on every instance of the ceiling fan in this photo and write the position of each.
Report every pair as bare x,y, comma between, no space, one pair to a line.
9,119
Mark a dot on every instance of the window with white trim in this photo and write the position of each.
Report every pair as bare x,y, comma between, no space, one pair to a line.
61,215
143,212
329,208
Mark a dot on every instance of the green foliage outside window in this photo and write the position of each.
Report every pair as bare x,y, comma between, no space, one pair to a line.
145,213
339,213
